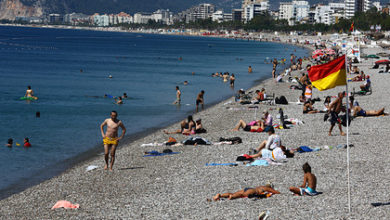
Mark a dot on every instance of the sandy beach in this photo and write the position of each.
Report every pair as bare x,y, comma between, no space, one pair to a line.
177,186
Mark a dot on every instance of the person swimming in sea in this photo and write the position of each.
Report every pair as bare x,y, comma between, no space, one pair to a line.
118,101
30,93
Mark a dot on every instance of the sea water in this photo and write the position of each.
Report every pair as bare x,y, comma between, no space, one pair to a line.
69,71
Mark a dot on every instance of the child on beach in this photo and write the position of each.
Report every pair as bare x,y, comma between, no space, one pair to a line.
309,183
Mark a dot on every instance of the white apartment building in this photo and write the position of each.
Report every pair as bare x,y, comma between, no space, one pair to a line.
352,6
163,16
294,11
100,20
323,14
286,11
124,18
250,11
142,18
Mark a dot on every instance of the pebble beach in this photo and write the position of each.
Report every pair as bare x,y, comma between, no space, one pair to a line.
177,186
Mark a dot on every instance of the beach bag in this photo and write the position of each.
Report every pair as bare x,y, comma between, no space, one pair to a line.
282,100
343,119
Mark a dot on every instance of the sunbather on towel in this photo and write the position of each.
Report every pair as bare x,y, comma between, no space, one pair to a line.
267,191
252,126
309,183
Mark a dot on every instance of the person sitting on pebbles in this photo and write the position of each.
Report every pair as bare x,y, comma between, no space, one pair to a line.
308,107
309,183
186,127
259,191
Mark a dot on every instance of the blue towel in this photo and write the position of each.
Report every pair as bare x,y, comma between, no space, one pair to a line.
156,154
258,163
303,149
221,164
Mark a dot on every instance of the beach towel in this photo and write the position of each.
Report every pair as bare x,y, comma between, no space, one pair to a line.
156,153
304,149
196,140
235,140
91,167
221,164
258,163
65,204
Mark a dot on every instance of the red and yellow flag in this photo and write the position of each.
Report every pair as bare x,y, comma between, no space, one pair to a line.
352,26
329,75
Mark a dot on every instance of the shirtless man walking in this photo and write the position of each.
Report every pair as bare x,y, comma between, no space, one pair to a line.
335,108
110,138
178,96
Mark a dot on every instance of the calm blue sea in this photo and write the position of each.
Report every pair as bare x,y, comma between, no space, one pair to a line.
71,102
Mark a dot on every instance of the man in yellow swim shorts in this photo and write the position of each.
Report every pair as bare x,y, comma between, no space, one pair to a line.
110,138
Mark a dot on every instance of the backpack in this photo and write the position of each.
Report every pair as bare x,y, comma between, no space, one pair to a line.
282,100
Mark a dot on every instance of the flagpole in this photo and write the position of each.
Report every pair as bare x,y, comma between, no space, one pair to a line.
347,120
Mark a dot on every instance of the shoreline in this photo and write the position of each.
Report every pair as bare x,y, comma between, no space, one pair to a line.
62,166
176,186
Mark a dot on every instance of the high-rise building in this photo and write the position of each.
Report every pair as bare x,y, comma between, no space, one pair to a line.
294,11
250,11
201,11
353,6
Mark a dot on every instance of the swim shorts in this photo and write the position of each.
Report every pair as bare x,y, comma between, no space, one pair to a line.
198,101
308,191
361,113
334,118
110,141
247,128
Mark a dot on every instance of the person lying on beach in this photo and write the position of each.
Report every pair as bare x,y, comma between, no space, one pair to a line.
308,108
186,127
259,191
360,77
253,126
309,183
358,111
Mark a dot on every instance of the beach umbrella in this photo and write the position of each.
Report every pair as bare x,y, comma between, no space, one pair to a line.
373,56
317,51
318,55
382,62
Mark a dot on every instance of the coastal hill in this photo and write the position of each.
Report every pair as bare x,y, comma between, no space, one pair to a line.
9,9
